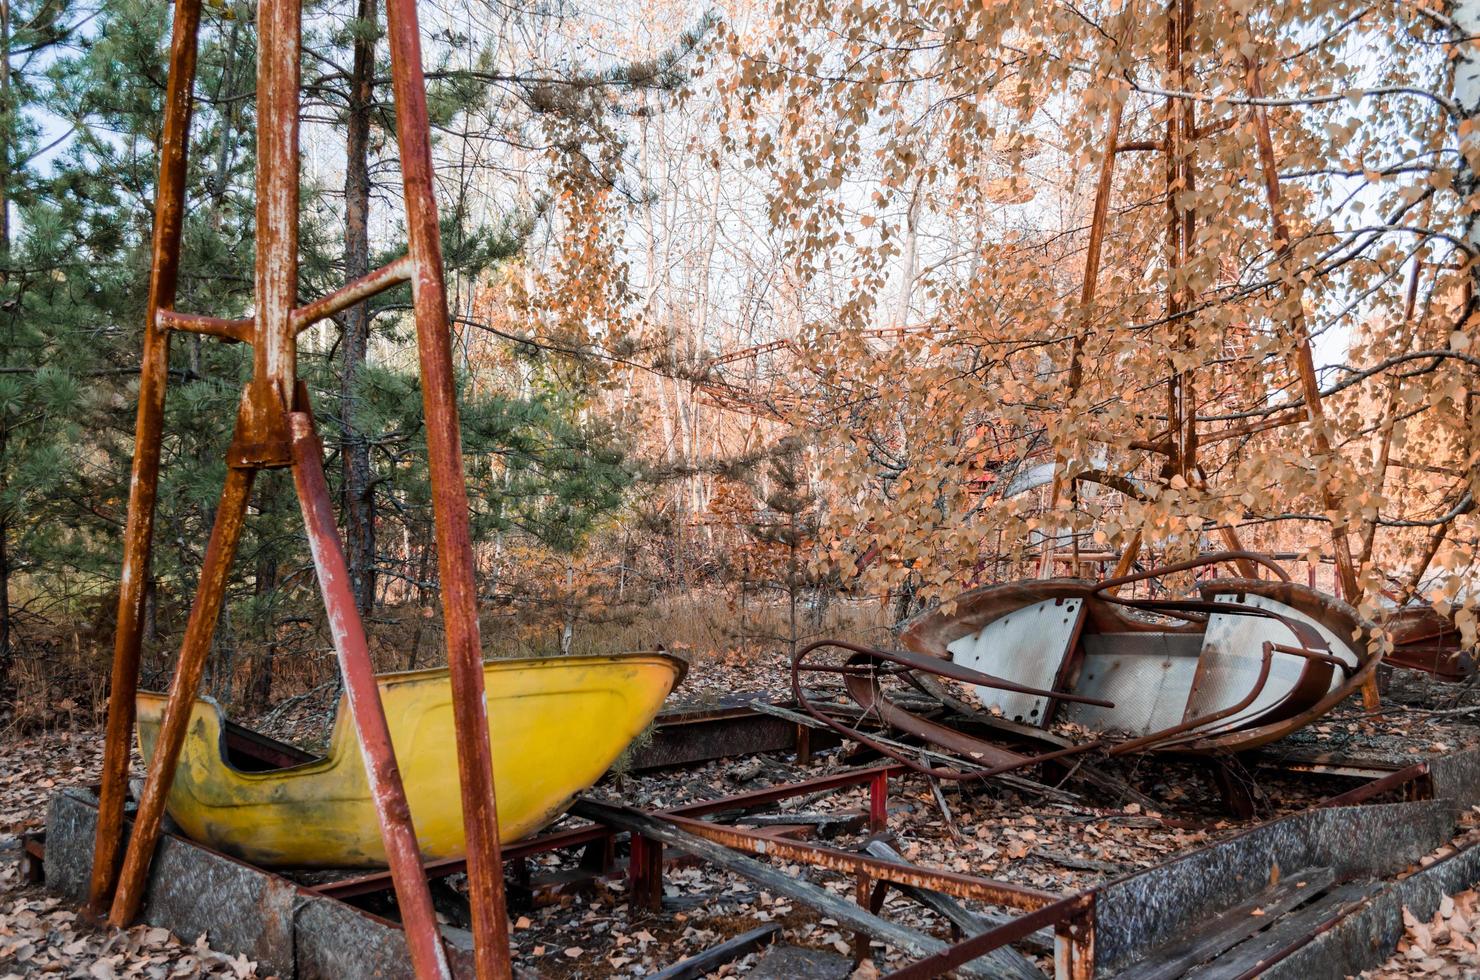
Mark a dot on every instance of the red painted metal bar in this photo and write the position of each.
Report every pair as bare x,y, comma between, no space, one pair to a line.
169,207
449,499
413,897
645,873
377,281
878,802
231,513
851,862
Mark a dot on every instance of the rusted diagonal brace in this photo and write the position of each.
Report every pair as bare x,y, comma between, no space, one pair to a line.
373,282
138,535
231,513
243,329
413,896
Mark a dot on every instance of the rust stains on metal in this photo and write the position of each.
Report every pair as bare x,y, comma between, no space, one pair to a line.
231,513
148,428
413,896
387,276
449,498
1082,640
263,440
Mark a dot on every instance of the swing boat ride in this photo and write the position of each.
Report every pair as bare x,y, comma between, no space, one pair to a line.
563,721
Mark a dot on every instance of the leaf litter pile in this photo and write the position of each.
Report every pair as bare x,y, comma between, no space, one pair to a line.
1061,838
41,935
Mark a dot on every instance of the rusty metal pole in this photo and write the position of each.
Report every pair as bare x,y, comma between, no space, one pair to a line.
231,513
1304,361
1087,289
413,897
169,209
449,499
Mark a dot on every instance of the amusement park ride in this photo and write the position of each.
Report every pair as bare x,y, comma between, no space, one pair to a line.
275,429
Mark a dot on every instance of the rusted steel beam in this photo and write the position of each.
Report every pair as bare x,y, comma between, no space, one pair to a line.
1074,946
413,897
1076,906
279,30
449,498
377,281
238,331
138,535
231,513
1416,773
562,839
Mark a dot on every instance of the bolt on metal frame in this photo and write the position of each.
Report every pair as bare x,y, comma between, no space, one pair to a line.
275,429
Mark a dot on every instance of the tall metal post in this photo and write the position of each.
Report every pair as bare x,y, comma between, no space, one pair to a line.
449,497
169,209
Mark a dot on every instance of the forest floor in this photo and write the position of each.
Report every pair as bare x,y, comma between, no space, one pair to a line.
1059,840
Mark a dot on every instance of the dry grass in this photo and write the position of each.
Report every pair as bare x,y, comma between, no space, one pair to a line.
61,681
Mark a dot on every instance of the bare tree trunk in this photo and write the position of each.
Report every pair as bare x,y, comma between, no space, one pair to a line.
5,637
5,142
359,497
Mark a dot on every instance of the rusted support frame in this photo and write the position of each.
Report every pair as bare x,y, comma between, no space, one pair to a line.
1414,775
1080,907
361,289
231,513
413,897
1074,946
238,331
449,499
138,535
563,839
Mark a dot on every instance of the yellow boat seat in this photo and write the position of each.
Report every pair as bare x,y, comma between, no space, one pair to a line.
556,724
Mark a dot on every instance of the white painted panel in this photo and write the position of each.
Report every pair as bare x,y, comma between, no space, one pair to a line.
1027,646
1233,650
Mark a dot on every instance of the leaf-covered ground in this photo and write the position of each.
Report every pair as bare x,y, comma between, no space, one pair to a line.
40,935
